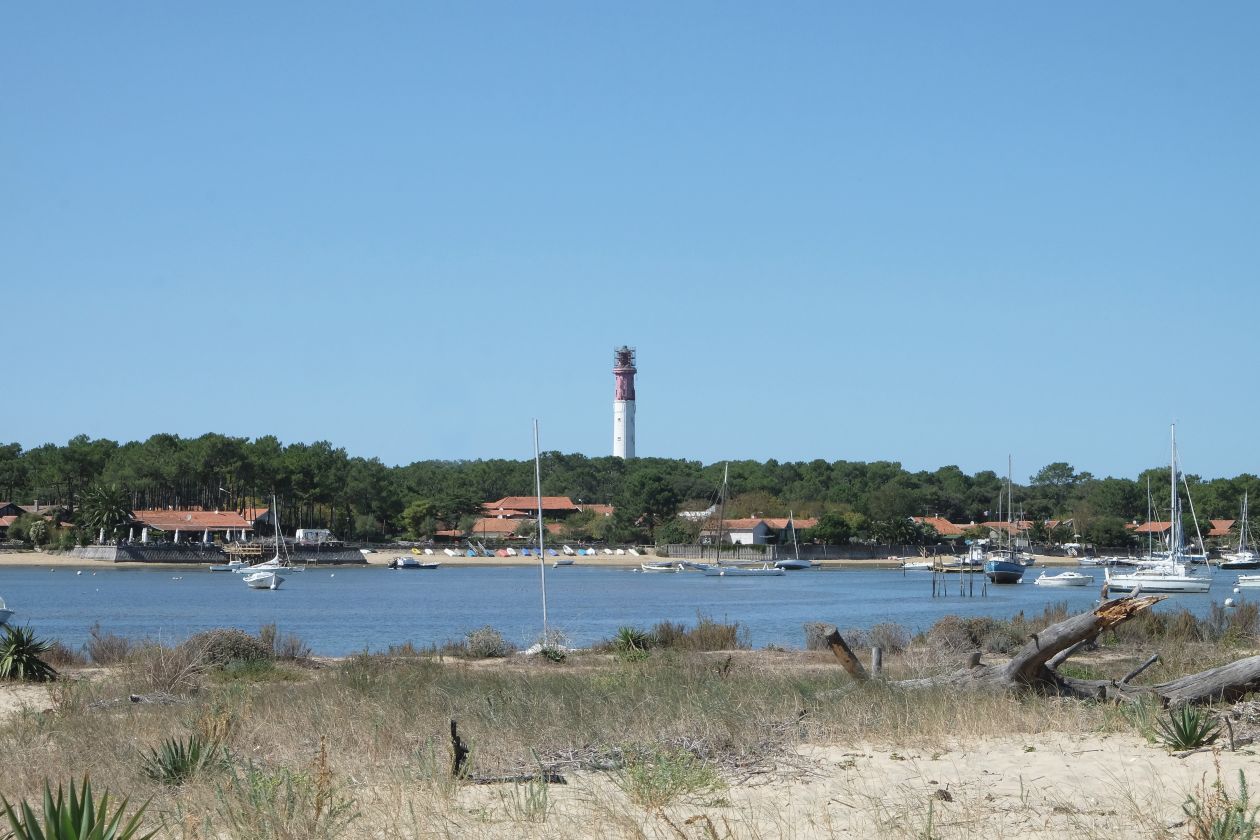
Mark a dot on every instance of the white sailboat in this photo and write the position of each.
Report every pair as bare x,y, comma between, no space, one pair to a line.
1244,557
279,561
1171,573
794,562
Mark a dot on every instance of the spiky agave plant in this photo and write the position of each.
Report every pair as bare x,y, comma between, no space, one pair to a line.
175,761
21,656
1187,728
80,818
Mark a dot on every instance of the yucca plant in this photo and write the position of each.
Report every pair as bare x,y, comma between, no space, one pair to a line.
80,818
1187,728
175,761
21,656
630,639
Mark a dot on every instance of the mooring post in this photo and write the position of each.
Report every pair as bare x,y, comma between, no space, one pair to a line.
459,753
877,660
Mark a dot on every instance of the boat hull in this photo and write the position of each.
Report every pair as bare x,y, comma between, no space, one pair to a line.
1155,583
743,571
1004,571
1066,579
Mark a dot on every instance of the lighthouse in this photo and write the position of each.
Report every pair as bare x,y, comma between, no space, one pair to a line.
623,402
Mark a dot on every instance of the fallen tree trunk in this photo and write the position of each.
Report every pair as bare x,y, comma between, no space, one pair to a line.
1034,666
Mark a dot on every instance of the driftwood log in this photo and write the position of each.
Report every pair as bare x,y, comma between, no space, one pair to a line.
1034,666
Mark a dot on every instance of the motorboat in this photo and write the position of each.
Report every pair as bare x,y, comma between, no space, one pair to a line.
744,571
1064,579
1248,582
406,561
263,580
659,566
917,565
5,613
229,566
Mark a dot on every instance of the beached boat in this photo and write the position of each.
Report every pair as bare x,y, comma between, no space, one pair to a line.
263,580
1064,579
744,571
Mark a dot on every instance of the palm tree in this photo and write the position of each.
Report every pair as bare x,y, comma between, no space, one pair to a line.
103,509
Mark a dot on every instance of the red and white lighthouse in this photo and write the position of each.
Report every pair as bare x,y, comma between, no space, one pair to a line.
623,402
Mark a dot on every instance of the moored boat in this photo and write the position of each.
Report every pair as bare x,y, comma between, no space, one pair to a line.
1064,579
658,566
1002,570
744,571
263,580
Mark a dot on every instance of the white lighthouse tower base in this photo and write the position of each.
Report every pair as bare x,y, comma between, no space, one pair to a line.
623,428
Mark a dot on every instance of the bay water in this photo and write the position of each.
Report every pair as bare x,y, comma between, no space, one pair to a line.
343,610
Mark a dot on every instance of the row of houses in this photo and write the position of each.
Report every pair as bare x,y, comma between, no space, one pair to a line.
1020,528
179,525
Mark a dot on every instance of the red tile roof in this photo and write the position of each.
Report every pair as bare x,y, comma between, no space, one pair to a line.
1152,528
781,524
552,503
942,525
1220,527
192,520
492,526
1010,527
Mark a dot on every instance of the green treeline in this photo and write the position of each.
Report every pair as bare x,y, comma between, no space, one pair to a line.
319,485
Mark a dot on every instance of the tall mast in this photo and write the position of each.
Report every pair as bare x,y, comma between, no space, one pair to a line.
726,472
542,561
1174,534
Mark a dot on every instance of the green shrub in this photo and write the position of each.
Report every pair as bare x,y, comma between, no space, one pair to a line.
174,761
488,643
665,776
631,640
81,818
107,648
21,656
227,644
1187,728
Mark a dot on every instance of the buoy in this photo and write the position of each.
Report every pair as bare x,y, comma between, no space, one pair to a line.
79,572
1229,602
1236,590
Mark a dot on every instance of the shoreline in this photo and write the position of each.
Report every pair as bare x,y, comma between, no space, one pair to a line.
383,558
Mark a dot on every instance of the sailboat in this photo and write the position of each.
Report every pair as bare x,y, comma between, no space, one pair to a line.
1002,565
794,562
1244,557
1170,573
280,561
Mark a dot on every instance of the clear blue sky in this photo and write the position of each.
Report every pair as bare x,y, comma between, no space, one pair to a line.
935,233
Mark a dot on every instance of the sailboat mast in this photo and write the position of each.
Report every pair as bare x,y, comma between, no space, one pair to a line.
1174,535
542,560
726,472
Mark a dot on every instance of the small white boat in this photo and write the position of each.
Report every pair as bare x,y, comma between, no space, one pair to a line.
263,580
5,613
428,552
229,566
917,566
1064,579
568,552
689,566
659,566
274,564
1244,582
632,552
449,552
793,564
621,551
608,551
562,561
744,571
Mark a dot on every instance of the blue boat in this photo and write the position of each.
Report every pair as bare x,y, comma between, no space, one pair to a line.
1000,570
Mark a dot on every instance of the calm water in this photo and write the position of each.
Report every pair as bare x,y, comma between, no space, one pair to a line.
349,609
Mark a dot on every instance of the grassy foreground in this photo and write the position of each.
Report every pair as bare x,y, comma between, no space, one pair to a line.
651,741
